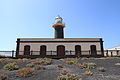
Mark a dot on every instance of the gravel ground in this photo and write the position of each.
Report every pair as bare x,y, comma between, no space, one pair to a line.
52,71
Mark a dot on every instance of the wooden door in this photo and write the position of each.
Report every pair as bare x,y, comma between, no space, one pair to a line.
43,50
78,50
61,51
93,50
26,50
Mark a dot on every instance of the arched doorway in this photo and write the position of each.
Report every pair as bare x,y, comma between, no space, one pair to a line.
61,50
93,50
27,50
78,50
43,50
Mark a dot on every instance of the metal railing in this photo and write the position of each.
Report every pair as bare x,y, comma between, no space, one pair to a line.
8,53
108,53
112,53
48,53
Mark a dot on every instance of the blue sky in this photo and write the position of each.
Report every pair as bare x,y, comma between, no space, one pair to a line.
83,19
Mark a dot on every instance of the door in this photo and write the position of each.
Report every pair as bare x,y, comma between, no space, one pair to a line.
61,50
78,50
93,50
27,50
43,50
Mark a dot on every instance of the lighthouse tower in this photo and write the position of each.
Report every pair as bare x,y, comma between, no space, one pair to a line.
59,28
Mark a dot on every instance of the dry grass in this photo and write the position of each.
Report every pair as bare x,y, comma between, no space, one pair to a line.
11,66
30,65
102,69
60,66
68,77
88,65
2,70
70,60
25,72
46,61
39,67
89,73
9,60
117,64
3,77
64,72
100,58
65,75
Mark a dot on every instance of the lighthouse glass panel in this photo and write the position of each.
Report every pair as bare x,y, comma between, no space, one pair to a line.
58,20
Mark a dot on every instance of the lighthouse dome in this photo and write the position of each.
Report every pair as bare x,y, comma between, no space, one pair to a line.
58,19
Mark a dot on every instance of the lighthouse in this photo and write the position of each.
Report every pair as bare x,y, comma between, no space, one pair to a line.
59,28
59,47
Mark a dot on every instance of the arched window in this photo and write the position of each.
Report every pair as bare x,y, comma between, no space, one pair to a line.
93,50
78,50
27,50
43,50
61,50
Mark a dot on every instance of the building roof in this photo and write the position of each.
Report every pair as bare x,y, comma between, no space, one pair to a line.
114,48
60,40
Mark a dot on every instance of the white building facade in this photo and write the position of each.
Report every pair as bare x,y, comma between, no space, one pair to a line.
115,51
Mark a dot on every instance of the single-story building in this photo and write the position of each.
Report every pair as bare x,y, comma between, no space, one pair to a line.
59,47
